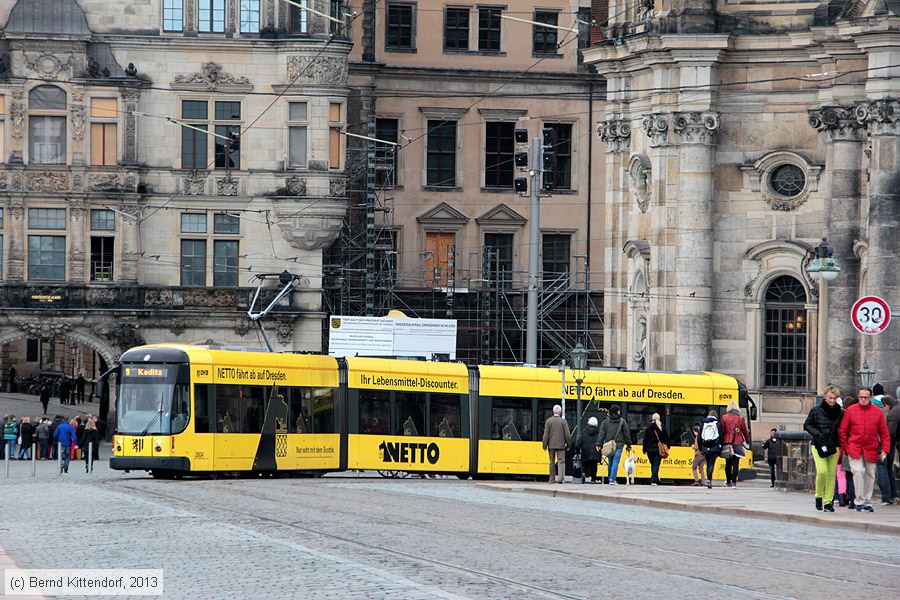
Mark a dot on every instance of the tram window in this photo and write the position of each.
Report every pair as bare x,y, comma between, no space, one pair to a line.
545,411
374,412
299,420
201,408
410,413
254,398
228,409
638,417
444,418
323,410
181,408
511,419
681,419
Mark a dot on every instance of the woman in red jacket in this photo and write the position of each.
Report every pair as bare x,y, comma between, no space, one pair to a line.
862,433
734,430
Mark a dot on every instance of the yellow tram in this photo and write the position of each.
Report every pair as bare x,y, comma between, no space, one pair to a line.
190,410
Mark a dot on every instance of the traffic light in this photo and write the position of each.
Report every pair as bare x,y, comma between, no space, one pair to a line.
521,136
521,160
548,156
520,184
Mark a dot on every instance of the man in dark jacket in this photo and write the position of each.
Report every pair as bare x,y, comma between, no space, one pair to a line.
45,396
614,428
587,443
710,442
773,452
65,436
79,388
26,432
555,441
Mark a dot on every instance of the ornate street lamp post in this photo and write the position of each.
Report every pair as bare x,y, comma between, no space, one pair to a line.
822,269
579,364
866,375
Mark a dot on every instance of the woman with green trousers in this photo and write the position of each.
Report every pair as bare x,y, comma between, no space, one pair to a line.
822,424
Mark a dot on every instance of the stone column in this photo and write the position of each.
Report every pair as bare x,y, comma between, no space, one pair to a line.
131,97
17,120
16,256
883,275
616,134
77,251
845,134
693,264
128,272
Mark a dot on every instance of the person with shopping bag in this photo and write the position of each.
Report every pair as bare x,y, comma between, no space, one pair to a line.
822,424
613,437
656,446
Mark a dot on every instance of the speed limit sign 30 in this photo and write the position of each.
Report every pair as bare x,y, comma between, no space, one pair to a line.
870,315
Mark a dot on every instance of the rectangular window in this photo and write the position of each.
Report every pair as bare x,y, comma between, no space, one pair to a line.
47,257
501,257
456,28
561,176
489,29
194,110
173,15
544,40
225,263
47,140
1,256
299,17
228,151
399,26
228,111
441,168
437,253
103,144
785,347
102,258
335,147
211,16
201,408
31,350
193,262
444,419
410,413
511,419
193,222
249,16
386,154
102,219
46,218
193,147
499,147
297,122
556,252
374,412
225,223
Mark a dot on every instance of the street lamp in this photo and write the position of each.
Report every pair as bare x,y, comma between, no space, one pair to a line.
866,375
822,269
579,364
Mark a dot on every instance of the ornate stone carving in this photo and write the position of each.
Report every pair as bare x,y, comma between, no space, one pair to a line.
208,298
881,116
47,181
130,183
125,335
17,185
16,211
270,14
210,75
327,70
17,113
45,329
227,186
696,127
77,117
337,186
616,134
839,122
177,326
284,331
656,126
107,182
639,179
758,178
101,296
189,11
77,182
77,211
3,182
47,65
194,184
296,186
242,327
158,298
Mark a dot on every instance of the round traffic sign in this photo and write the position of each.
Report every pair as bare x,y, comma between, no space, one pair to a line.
870,315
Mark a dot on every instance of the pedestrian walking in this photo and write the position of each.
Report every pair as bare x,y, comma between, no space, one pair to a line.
590,453
90,452
893,422
65,436
656,446
822,424
711,440
735,435
614,436
698,466
10,435
864,436
555,441
65,388
79,388
884,471
12,380
45,396
772,447
26,434
43,437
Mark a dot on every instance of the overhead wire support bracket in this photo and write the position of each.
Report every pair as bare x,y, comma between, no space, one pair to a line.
288,282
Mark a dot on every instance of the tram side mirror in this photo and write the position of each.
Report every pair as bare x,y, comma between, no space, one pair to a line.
753,415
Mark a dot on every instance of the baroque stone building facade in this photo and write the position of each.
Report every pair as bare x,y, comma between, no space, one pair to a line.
155,155
738,134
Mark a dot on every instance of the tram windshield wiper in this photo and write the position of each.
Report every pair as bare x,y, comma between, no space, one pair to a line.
158,414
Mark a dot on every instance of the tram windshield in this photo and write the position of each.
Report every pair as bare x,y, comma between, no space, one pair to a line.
152,401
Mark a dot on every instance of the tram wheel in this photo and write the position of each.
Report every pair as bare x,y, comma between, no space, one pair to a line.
162,474
462,476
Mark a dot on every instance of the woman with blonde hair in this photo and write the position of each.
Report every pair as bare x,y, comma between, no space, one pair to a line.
735,435
822,424
90,445
656,444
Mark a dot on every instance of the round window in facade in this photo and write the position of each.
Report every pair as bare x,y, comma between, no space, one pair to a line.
788,180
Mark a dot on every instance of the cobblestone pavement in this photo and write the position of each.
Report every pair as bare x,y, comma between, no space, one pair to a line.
342,537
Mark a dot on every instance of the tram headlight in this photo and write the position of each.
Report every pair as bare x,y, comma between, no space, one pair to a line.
118,444
157,444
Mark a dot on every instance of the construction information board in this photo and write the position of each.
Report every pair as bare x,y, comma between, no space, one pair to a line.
391,336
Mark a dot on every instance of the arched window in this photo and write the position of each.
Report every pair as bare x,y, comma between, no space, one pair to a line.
47,125
785,334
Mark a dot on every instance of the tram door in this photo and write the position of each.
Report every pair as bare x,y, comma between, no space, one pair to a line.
239,419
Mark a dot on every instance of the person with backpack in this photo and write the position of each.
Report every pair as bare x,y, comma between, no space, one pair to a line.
711,444
698,466
614,435
735,432
822,424
655,446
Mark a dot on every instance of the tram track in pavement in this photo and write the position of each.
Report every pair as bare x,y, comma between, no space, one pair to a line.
588,560
417,558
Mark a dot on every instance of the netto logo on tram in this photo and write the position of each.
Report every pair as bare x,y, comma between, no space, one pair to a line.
405,452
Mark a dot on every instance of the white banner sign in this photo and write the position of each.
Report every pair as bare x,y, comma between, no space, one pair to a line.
391,336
